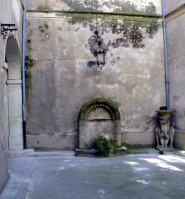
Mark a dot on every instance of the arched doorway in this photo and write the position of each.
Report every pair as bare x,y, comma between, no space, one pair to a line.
98,116
14,83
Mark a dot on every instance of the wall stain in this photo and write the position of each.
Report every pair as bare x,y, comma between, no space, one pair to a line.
128,34
29,63
89,5
44,29
130,31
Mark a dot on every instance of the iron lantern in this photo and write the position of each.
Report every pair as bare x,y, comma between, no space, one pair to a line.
99,53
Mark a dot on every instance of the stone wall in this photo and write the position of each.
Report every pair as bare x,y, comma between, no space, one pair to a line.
176,60
171,6
62,72
11,13
117,6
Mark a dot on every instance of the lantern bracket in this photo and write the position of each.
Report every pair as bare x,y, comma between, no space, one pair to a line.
7,29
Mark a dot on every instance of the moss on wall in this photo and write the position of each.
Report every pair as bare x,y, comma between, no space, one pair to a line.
80,16
29,64
28,78
114,106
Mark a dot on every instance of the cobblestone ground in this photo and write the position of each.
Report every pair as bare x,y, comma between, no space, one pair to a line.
148,176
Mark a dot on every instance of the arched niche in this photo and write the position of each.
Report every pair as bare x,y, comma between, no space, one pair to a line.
14,82
98,116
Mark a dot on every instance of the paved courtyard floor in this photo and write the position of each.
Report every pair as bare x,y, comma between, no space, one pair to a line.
141,176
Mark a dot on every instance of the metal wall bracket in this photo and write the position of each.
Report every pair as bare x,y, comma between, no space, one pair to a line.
7,29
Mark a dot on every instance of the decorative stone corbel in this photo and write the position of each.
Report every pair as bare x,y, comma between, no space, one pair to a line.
7,29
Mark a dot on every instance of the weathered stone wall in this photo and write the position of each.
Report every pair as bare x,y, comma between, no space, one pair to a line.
62,73
11,13
118,6
176,60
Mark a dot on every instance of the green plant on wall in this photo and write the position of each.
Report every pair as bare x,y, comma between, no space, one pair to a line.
105,146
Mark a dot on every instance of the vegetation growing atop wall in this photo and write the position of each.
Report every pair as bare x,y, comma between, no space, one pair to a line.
117,6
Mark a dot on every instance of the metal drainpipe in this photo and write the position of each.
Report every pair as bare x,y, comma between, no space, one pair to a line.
23,78
166,57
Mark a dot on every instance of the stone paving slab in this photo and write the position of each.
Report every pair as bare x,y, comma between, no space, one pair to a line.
31,152
20,153
139,176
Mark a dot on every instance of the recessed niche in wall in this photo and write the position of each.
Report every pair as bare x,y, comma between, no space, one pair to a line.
98,117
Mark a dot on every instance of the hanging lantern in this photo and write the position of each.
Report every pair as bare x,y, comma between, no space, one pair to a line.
100,52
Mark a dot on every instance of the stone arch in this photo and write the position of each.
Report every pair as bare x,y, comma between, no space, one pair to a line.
98,116
14,82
